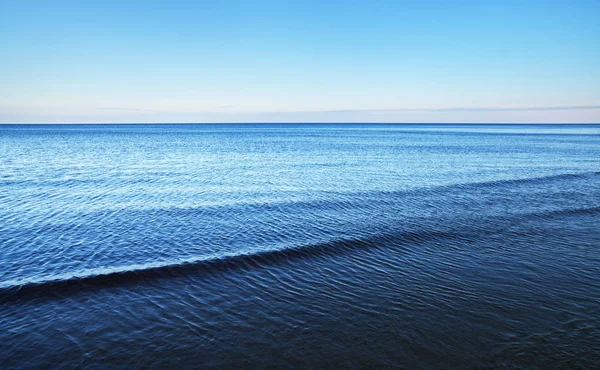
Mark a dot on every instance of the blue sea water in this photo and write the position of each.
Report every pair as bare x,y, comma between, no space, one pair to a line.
299,245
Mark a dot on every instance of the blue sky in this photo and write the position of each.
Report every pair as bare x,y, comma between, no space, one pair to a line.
300,61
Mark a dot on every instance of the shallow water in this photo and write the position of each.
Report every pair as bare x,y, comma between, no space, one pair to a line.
416,246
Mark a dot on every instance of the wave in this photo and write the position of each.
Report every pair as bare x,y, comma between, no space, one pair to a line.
540,179
511,182
428,190
101,277
105,277
436,190
569,212
358,197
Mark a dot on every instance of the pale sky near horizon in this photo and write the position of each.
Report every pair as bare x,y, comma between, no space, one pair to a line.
301,61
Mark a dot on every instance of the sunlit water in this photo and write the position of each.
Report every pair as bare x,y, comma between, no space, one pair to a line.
339,246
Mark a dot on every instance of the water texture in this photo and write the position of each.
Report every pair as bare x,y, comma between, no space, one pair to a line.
299,245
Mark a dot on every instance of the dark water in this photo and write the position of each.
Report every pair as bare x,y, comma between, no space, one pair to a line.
308,246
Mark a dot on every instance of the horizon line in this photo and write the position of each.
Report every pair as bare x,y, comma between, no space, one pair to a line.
310,123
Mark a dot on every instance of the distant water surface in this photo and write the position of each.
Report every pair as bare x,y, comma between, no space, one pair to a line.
299,245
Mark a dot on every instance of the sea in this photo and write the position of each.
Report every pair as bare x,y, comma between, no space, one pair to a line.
309,246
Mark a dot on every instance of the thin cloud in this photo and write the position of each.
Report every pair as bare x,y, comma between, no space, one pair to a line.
463,109
520,109
375,111
127,109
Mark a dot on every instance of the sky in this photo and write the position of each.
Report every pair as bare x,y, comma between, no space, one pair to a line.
300,61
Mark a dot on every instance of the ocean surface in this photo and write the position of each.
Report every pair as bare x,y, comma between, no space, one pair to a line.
300,246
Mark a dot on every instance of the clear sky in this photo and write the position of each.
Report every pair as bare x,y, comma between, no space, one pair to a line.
299,61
